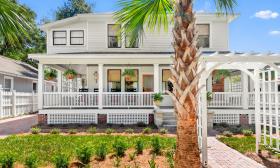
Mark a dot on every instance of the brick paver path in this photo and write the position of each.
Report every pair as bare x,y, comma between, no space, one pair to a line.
222,156
16,125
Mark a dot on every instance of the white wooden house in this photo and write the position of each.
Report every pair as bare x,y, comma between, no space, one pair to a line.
91,45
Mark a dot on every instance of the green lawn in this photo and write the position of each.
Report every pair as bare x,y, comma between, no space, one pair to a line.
46,146
243,145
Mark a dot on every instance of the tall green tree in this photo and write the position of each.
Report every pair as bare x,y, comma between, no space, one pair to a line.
72,8
136,16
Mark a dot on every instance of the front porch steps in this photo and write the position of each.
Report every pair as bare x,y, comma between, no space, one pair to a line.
169,119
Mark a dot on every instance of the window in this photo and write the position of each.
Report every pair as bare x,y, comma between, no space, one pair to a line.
59,38
131,82
166,85
76,37
34,87
8,83
203,35
135,44
114,36
114,80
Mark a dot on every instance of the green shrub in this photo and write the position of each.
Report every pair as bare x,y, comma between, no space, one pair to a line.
139,146
92,130
152,162
35,130
109,131
247,132
170,158
72,131
31,161
147,130
84,154
55,131
119,148
129,131
7,160
156,147
61,161
163,131
227,133
101,152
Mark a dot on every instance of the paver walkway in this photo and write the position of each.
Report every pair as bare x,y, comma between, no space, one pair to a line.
16,125
222,156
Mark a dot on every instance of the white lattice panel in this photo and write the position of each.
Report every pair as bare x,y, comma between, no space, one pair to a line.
127,118
72,118
232,119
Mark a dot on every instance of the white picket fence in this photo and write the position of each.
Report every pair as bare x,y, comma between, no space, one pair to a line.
17,103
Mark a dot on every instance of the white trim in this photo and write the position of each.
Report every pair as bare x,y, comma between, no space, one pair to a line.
12,82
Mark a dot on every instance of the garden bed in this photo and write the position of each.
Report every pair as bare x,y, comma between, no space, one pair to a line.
45,147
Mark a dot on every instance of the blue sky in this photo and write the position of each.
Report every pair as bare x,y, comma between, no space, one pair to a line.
257,29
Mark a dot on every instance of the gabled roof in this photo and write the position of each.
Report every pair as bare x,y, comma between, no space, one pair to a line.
16,68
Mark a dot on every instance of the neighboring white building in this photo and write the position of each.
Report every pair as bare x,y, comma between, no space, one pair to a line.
91,44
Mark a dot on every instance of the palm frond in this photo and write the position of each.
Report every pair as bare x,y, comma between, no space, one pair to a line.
14,22
137,15
225,6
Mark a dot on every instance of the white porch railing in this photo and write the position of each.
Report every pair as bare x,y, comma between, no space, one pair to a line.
70,99
226,99
128,99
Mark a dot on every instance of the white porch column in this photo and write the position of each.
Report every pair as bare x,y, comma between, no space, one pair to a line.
156,78
59,81
100,85
40,85
209,83
245,95
257,108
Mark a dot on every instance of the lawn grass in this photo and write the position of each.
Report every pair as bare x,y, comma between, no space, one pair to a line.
46,146
241,144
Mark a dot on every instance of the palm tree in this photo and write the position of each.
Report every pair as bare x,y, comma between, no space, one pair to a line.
14,23
139,15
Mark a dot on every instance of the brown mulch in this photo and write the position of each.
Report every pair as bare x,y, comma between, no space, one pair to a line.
265,159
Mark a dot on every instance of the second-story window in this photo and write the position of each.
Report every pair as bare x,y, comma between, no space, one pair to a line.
114,36
76,37
59,37
203,35
131,44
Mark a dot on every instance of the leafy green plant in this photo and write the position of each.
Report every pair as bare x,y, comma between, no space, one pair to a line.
209,96
101,152
147,130
61,161
84,154
109,131
128,72
7,160
35,130
156,146
227,134
72,131
31,161
152,162
158,97
55,131
129,131
170,158
92,130
163,131
50,74
139,146
119,148
247,132
70,73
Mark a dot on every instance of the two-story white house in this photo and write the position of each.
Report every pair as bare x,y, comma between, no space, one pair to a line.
92,45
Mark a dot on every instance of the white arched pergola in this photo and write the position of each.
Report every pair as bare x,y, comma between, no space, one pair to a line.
260,68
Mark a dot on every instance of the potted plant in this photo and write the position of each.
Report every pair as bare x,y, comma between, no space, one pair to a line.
70,74
157,97
209,96
50,74
128,73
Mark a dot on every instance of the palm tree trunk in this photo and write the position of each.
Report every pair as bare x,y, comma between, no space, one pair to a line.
185,80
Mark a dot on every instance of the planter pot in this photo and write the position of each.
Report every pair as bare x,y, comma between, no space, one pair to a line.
127,78
157,103
49,78
70,76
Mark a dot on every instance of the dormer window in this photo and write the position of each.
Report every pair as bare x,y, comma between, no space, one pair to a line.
76,37
203,35
59,37
114,36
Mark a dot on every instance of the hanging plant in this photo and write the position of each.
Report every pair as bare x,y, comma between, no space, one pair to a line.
157,97
221,74
70,74
128,73
50,74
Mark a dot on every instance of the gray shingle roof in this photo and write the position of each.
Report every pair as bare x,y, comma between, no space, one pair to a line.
17,68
